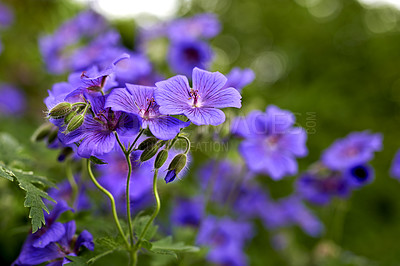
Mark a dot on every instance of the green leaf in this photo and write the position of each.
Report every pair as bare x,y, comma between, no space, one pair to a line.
33,195
166,246
140,222
146,244
76,261
96,160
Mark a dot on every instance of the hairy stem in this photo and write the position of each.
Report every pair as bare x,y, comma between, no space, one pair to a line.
110,196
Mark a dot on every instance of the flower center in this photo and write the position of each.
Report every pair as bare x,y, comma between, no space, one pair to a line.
272,141
148,112
195,97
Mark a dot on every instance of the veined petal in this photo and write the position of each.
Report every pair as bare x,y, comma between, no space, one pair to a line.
207,83
173,95
141,94
129,125
52,234
97,143
229,97
166,127
121,100
253,153
205,116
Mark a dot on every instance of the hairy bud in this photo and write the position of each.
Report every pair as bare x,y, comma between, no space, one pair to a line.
149,153
147,143
175,167
75,122
60,110
162,156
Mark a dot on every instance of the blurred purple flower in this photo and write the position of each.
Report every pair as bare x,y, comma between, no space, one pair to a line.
183,56
357,148
139,100
199,26
226,239
201,103
271,142
64,192
395,168
239,78
188,212
12,101
133,69
6,16
359,175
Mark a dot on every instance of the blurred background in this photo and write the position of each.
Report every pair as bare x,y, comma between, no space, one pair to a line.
334,63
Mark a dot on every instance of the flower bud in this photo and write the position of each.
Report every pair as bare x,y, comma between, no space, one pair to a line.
162,156
75,122
69,116
41,132
149,153
175,167
52,136
60,110
147,143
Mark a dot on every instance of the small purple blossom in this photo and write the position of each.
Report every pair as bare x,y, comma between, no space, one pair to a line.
199,26
357,148
271,143
395,168
239,78
226,239
6,16
183,56
202,102
97,132
12,101
139,100
188,212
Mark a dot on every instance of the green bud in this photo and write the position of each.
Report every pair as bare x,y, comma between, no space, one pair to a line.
178,163
52,136
162,156
149,153
75,122
69,116
147,143
60,110
41,132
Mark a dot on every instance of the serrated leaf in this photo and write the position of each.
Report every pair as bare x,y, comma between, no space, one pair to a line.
33,195
168,244
140,222
76,261
10,150
96,160
164,252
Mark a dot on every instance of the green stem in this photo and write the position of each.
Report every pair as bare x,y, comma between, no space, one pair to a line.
134,142
187,143
128,204
153,216
71,180
110,196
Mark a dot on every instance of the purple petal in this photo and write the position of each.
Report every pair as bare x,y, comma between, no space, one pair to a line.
205,116
209,86
129,125
85,239
166,127
121,100
173,95
171,175
97,143
52,234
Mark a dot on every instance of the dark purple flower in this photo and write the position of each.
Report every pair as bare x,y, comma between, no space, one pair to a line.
188,212
139,100
239,78
6,16
226,239
199,26
183,56
97,132
12,101
321,189
395,169
202,102
357,148
271,142
359,175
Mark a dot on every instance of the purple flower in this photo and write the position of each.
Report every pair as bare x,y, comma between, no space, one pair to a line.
97,132
321,189
395,169
139,100
12,101
271,142
183,56
238,78
133,69
201,103
6,16
357,148
64,192
359,175
200,26
188,212
226,239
